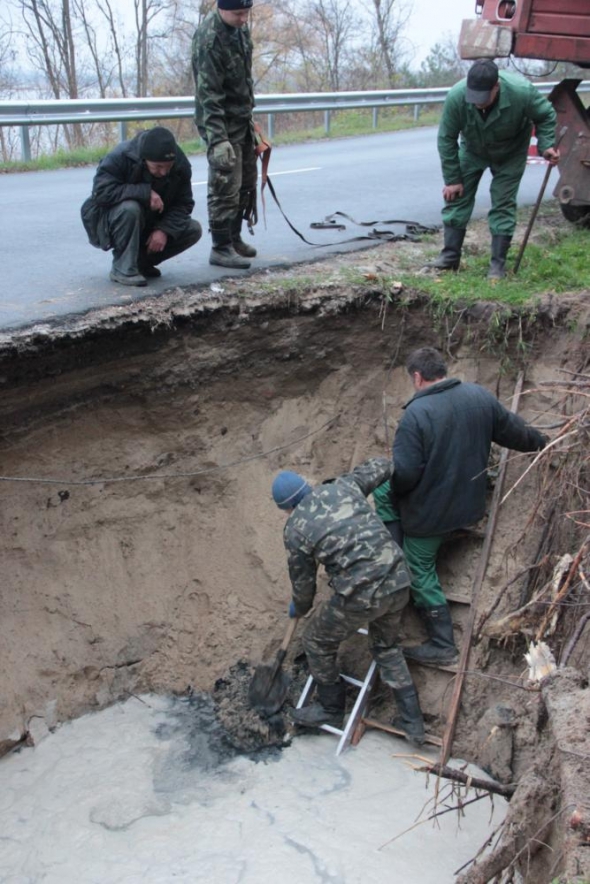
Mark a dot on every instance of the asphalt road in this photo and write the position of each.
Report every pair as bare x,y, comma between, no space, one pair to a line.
50,271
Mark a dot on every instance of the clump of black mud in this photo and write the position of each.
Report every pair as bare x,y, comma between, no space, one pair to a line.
216,727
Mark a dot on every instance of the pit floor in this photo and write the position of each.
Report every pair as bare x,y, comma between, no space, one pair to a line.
132,795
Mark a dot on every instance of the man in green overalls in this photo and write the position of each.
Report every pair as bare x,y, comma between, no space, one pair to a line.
487,122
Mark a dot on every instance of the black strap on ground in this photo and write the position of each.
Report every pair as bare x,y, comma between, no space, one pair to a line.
412,233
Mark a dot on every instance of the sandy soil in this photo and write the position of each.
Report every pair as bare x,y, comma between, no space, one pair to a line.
142,550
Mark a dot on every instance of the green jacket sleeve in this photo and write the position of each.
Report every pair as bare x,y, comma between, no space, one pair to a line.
449,131
543,115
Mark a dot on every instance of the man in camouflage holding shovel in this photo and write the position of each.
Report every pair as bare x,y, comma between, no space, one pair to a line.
224,99
334,525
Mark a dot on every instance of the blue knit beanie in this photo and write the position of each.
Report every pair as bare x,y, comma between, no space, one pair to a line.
289,489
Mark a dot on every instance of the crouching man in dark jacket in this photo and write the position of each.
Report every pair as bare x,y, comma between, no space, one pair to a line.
141,206
334,525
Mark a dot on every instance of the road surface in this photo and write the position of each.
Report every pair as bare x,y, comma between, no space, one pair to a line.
50,271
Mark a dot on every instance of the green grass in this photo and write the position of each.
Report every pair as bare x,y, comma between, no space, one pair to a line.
558,265
343,124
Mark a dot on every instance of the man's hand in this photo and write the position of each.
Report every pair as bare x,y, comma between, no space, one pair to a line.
223,156
156,204
452,191
156,241
551,155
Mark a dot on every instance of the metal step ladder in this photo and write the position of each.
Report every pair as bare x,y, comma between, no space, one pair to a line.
354,719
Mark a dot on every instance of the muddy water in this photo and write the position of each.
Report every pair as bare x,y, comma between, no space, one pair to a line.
150,792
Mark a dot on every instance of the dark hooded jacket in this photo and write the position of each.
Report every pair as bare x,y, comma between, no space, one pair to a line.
123,175
441,451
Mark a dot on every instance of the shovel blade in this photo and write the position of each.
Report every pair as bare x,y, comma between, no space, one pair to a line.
268,689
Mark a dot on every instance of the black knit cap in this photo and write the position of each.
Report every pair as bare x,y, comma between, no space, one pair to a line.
158,145
235,5
481,79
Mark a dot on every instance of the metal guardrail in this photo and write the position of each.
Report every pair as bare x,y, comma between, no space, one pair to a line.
25,114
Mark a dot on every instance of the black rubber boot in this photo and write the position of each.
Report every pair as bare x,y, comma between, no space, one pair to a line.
450,255
329,710
500,246
223,253
146,267
440,647
241,247
409,715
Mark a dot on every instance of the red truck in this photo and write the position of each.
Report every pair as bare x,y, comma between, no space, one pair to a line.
552,30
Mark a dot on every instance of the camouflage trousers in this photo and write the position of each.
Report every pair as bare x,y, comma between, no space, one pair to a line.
339,618
230,193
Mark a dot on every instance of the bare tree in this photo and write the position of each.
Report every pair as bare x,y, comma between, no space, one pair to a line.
7,82
389,21
49,27
443,65
105,41
145,12
337,23
319,41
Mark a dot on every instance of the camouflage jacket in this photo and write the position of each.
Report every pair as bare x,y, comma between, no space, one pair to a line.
224,91
335,525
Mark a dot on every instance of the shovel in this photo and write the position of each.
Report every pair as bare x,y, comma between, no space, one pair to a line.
270,684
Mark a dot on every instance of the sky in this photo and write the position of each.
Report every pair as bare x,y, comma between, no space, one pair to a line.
432,20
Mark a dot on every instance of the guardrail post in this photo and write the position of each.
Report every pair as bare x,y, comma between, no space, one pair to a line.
416,112
25,144
270,126
327,121
375,117
122,130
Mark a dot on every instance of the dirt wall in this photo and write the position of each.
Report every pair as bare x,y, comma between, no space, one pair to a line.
153,560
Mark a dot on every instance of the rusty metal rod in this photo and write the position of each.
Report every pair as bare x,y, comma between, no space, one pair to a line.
449,733
535,211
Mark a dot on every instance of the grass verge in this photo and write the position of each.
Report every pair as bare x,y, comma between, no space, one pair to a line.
555,260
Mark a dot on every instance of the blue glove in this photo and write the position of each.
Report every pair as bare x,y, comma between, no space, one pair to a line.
292,611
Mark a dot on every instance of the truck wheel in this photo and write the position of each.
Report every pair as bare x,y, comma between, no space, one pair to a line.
579,215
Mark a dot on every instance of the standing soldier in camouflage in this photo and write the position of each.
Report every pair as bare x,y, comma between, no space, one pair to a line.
224,99
334,525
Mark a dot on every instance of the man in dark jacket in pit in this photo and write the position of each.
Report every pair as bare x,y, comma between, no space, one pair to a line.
440,453
141,206
334,525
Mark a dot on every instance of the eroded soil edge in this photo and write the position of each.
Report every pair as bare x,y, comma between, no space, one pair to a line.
153,560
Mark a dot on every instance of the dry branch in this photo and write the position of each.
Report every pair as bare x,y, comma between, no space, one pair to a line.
459,776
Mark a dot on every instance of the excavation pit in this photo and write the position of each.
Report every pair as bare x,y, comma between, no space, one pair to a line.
142,550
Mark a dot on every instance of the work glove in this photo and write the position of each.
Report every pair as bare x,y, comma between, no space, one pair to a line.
222,156
292,611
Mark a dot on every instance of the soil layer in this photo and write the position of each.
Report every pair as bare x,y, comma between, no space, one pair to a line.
142,551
